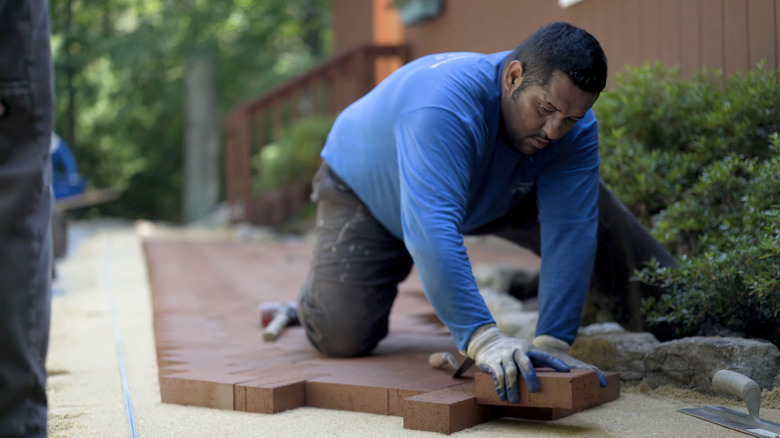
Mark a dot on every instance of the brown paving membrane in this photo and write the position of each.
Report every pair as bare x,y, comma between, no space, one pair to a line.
210,350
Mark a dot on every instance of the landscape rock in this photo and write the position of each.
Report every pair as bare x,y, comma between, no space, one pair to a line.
520,325
510,314
519,281
601,328
499,302
691,362
619,351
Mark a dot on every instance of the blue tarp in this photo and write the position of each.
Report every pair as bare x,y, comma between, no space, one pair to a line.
66,179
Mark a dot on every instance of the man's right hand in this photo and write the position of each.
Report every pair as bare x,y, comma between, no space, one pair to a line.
560,349
503,357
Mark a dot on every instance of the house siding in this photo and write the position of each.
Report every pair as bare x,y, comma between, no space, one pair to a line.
732,35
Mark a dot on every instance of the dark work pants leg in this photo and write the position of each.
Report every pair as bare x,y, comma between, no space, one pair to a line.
356,267
623,246
25,207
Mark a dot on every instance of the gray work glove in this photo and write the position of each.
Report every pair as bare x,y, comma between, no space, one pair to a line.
560,349
503,357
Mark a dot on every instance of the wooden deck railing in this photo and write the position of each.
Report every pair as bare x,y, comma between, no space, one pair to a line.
324,90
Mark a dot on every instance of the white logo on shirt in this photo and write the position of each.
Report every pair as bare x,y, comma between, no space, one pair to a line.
445,58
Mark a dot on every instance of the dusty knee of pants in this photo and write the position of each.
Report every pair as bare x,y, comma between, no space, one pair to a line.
345,346
336,336
338,341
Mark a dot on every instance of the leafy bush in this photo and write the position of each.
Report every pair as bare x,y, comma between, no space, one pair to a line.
699,163
294,159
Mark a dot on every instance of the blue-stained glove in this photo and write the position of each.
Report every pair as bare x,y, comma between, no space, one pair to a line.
560,349
503,357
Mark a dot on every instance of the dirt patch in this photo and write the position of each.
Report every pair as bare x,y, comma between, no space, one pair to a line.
769,399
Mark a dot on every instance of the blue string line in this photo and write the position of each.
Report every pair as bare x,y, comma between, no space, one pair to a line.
119,350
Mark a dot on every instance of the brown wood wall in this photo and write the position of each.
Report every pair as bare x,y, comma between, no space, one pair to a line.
732,35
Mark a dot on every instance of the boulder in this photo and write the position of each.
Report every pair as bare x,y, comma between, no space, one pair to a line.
510,314
521,325
519,281
619,351
601,328
691,362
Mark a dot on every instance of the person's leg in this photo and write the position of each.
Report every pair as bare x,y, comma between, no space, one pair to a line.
356,267
25,207
623,246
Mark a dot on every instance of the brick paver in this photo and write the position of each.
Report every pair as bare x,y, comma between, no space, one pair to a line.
210,349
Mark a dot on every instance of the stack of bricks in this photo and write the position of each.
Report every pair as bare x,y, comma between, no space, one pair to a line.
211,352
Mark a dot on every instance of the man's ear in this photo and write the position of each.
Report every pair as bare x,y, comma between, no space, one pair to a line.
513,76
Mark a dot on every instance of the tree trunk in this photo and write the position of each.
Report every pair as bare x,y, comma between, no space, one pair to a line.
70,72
201,182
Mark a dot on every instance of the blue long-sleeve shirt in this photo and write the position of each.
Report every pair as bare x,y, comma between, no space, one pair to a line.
422,151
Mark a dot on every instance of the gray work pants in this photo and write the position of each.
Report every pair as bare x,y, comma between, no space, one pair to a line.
25,209
357,264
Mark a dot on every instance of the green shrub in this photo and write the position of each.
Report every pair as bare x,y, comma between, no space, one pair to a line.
294,158
699,163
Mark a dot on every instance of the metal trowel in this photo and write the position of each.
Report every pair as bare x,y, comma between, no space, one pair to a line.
736,384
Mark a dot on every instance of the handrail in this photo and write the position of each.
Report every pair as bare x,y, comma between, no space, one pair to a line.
323,90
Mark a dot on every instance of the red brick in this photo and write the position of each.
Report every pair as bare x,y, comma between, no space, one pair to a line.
269,395
365,389
445,411
200,389
349,368
396,398
278,369
239,398
193,355
575,390
164,360
202,368
410,387
607,394
612,390
270,359
276,397
362,394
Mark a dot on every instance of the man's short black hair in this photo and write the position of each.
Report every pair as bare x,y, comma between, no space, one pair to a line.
565,48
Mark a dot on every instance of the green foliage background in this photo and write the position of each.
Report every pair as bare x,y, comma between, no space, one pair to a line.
699,163
120,67
295,158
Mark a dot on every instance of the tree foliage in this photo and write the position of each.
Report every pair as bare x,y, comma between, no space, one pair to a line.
295,158
119,80
699,162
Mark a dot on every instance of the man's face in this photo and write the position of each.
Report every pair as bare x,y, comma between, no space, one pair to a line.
535,116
